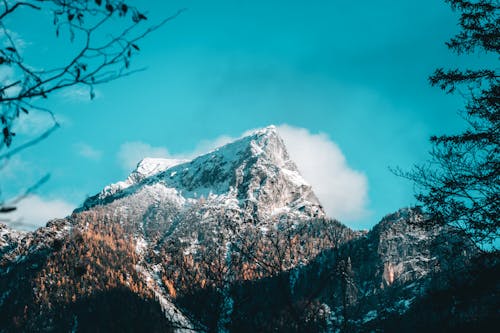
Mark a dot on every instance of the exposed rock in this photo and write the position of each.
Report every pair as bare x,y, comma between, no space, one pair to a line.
253,175
233,240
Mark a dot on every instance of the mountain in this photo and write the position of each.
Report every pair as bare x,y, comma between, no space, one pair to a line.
233,240
253,176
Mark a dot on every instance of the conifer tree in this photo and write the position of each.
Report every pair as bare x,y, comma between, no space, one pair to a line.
460,186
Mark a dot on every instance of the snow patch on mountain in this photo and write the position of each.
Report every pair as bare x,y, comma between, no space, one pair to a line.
253,174
145,168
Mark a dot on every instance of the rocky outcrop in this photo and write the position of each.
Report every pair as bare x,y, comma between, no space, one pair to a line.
233,240
253,175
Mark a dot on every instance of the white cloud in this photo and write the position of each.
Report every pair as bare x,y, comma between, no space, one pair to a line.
131,153
12,167
7,77
34,123
77,94
35,211
342,191
6,74
88,151
17,174
19,42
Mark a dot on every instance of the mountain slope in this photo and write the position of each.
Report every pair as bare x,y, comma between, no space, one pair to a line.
253,175
233,240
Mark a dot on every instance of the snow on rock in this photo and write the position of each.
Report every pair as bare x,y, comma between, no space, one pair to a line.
249,180
140,245
146,168
179,321
151,166
206,202
17,246
9,236
253,174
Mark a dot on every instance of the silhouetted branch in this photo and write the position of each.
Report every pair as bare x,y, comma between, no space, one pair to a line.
95,61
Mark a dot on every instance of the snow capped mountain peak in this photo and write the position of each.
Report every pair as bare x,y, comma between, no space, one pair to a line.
270,130
234,223
151,166
262,143
147,167
254,174
267,141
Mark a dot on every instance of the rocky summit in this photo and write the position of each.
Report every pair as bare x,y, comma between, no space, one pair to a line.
253,176
235,240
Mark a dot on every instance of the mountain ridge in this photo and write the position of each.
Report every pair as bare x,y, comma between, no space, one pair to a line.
242,170
237,231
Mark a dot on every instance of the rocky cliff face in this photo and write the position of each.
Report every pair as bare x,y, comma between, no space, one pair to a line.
237,231
253,175
394,264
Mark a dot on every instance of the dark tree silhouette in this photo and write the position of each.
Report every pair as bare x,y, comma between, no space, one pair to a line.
103,36
460,186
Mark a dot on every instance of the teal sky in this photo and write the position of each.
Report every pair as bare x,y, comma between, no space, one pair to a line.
355,71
